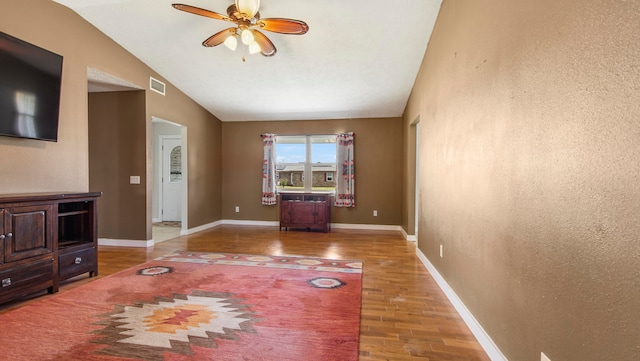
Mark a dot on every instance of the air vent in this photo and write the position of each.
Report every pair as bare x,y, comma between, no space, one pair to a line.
156,85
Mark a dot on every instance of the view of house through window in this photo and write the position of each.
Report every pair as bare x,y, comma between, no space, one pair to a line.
306,162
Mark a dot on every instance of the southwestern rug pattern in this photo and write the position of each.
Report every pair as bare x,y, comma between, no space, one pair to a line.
198,306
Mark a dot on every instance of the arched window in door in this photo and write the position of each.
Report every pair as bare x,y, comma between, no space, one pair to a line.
176,165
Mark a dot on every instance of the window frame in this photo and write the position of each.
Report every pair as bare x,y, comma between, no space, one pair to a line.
307,172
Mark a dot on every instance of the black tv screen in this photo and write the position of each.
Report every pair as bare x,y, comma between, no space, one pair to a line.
30,79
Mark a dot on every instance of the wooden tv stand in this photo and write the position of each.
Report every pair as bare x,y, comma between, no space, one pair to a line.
46,238
305,210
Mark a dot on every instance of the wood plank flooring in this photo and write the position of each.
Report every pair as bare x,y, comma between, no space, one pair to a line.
405,316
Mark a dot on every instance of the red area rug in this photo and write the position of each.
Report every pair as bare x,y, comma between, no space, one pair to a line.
198,306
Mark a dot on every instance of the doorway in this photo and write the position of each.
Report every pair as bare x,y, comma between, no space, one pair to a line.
169,200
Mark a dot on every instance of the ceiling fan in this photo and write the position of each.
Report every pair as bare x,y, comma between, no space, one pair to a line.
245,15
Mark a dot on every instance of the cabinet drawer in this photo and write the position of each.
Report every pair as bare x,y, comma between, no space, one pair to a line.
25,279
77,262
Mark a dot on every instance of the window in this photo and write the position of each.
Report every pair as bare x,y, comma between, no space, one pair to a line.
306,162
176,165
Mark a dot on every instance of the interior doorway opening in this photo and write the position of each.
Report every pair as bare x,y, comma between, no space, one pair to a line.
169,195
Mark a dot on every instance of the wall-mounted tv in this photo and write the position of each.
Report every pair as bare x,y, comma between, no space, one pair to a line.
30,79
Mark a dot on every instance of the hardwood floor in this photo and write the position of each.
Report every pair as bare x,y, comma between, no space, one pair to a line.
405,316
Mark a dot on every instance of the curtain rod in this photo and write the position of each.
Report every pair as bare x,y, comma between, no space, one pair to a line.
301,135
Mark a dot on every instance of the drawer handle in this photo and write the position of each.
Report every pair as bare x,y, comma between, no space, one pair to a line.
78,260
9,234
6,282
2,236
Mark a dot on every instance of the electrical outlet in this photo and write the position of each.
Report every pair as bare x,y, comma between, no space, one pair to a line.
375,213
441,251
544,357
237,209
134,179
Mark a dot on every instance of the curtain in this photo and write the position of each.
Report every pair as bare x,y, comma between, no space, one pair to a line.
269,170
345,164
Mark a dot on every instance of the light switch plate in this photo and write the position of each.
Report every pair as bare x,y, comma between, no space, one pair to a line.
134,179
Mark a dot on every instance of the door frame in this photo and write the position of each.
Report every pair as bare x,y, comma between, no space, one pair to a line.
417,190
413,192
184,201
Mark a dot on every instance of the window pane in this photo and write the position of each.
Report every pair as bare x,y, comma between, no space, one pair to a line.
323,154
291,154
176,165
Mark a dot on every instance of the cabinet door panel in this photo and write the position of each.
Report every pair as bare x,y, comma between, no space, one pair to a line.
321,213
28,232
303,213
285,213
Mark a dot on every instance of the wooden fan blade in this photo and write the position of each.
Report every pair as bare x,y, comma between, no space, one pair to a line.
201,12
284,26
266,46
219,37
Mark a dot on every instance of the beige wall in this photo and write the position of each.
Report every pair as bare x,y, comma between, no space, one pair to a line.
530,116
64,165
378,155
116,124
37,166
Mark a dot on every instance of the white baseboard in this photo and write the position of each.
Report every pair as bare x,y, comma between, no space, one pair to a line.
124,242
372,227
483,338
203,227
240,222
380,227
150,243
408,237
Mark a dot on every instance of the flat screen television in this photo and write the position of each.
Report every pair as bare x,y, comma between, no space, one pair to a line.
30,81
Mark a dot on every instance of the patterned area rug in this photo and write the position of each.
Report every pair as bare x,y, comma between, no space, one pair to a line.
198,306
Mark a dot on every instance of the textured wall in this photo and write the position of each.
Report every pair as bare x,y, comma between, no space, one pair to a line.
116,123
378,154
38,166
35,166
530,137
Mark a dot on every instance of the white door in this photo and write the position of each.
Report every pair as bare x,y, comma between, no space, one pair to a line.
171,179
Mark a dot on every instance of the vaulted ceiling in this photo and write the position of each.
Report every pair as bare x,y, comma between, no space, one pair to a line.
359,58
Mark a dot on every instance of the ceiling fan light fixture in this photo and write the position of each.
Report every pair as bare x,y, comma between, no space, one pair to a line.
248,7
248,27
247,37
254,48
231,42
